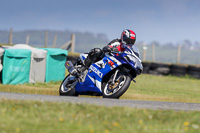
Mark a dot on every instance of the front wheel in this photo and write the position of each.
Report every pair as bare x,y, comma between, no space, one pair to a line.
65,89
118,88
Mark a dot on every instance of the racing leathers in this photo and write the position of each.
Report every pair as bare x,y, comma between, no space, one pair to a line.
97,54
114,46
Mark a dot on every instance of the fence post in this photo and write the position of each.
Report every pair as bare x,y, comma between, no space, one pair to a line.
27,39
153,52
46,39
70,44
144,52
10,36
54,42
73,43
178,54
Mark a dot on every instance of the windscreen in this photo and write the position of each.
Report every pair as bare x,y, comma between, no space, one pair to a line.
136,51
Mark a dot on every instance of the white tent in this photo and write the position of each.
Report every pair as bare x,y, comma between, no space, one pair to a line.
1,54
38,62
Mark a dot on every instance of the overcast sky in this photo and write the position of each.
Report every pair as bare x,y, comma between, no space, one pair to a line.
152,20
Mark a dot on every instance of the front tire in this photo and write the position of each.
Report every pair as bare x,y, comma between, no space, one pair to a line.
116,90
66,91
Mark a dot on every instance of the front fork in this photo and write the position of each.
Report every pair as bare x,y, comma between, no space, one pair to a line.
114,78
127,71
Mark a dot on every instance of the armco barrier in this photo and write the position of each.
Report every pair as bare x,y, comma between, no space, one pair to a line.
164,68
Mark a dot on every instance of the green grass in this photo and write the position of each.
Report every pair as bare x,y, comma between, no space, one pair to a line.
50,88
49,117
164,88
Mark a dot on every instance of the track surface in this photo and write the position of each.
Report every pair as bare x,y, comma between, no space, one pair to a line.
105,102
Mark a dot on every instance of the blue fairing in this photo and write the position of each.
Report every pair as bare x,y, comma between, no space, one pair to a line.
98,70
94,77
123,60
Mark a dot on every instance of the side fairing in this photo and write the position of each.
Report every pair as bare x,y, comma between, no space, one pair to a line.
95,74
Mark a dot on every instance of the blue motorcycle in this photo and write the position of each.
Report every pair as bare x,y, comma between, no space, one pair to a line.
109,77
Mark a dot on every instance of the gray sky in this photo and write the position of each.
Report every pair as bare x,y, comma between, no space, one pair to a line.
152,20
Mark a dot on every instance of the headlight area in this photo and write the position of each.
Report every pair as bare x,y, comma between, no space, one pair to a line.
131,59
130,70
135,62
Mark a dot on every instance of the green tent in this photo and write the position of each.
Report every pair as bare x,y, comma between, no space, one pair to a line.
16,66
55,65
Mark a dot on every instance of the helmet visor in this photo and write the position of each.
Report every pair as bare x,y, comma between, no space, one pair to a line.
129,41
129,45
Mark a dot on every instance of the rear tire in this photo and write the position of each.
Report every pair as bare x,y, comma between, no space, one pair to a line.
66,91
118,89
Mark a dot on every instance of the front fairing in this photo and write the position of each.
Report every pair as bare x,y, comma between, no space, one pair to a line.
134,54
131,56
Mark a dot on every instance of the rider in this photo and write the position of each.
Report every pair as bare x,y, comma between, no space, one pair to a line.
128,38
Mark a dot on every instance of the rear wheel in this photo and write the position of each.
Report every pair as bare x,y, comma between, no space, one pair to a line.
118,88
65,89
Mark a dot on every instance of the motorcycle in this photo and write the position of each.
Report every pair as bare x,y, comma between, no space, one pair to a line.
109,77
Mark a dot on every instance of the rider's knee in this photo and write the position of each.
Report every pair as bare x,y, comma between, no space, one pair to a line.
95,53
98,52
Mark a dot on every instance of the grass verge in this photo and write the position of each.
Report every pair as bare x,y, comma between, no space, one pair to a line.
50,88
48,117
164,88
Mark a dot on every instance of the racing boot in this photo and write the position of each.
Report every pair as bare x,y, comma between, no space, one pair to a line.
86,64
82,69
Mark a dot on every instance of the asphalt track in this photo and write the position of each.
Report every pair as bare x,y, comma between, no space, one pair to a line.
155,105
